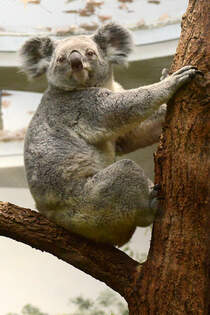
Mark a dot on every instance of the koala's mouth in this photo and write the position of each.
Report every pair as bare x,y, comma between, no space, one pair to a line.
79,72
81,76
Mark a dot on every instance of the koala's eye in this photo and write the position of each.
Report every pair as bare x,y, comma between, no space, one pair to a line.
61,59
90,53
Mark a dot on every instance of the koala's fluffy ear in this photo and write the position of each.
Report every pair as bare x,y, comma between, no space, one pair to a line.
115,41
35,55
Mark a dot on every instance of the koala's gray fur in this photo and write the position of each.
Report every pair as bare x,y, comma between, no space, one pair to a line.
85,118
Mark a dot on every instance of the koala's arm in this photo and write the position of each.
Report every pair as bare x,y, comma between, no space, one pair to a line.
118,113
145,134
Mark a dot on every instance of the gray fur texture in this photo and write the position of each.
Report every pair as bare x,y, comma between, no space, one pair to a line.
84,120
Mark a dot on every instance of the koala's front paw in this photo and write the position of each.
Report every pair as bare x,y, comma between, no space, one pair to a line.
185,74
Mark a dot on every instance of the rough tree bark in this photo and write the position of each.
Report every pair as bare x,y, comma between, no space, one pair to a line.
175,277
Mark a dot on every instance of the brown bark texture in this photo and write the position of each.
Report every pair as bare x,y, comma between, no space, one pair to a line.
175,278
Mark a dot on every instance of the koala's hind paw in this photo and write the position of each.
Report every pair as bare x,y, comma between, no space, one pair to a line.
154,204
154,199
155,190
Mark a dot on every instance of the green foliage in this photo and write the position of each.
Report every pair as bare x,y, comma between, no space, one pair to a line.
29,310
107,303
135,255
82,303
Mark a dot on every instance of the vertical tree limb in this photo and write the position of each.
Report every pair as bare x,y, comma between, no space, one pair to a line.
175,278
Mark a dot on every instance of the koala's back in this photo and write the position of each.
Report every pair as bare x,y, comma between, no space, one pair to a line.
58,160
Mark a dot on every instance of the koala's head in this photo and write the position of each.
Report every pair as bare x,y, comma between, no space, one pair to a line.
78,61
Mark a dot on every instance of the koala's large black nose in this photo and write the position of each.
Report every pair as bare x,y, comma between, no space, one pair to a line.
76,61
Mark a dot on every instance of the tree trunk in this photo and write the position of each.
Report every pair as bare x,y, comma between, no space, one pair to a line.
175,278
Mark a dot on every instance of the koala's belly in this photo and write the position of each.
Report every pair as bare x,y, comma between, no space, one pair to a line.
87,162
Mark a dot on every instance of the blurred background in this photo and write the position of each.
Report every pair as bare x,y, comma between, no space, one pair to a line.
28,275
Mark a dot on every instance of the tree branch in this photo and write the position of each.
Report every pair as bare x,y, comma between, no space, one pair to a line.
105,263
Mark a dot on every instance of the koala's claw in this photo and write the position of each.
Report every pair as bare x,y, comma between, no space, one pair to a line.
154,191
200,73
185,74
184,70
157,187
191,71
182,75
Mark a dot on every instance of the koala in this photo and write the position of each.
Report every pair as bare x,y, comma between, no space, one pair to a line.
85,119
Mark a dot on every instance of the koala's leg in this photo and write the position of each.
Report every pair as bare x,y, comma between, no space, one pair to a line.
115,201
